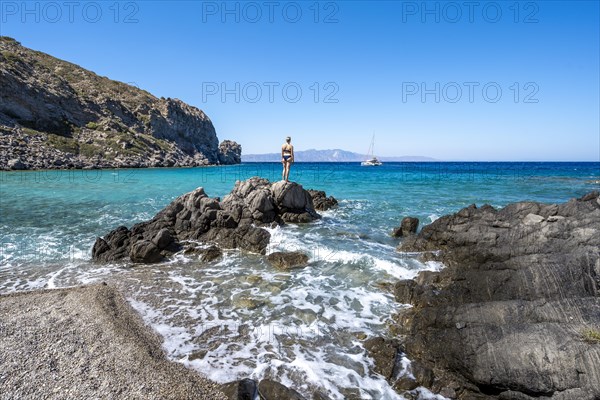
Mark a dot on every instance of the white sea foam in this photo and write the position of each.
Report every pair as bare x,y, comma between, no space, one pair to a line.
303,335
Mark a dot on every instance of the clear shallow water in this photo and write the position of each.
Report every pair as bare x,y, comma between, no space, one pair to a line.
239,317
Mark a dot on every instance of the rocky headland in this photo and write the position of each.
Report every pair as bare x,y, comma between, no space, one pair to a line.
55,114
516,312
234,222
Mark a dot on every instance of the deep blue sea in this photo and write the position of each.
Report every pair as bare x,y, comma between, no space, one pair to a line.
238,317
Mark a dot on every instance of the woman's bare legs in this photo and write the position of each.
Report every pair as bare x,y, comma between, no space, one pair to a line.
286,170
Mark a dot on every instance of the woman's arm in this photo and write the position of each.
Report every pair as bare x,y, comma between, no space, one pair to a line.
292,151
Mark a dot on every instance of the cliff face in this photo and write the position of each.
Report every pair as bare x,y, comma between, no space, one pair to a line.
54,114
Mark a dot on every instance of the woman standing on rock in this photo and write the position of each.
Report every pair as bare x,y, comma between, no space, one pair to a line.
287,158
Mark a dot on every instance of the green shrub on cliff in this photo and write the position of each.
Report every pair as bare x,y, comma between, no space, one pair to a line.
591,335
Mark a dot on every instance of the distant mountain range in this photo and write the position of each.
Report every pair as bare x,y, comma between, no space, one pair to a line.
335,155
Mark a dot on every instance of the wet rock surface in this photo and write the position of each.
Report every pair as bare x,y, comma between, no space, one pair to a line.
272,390
245,389
506,318
288,260
231,223
408,226
321,201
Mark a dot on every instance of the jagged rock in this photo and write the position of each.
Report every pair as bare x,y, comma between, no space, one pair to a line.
113,246
291,260
259,200
504,319
407,227
230,152
232,223
251,200
54,114
320,200
272,390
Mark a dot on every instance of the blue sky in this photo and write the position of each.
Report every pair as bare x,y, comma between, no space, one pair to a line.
498,81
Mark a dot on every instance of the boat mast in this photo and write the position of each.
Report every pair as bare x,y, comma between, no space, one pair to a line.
371,151
373,146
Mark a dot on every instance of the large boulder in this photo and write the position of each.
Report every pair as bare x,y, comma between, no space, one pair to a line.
294,203
232,223
507,318
230,152
251,200
263,202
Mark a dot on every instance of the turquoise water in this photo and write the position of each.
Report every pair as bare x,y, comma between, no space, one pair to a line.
240,315
56,215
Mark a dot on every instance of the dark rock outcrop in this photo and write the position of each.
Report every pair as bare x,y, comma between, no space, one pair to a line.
506,318
408,226
230,152
321,201
54,114
291,260
259,200
231,223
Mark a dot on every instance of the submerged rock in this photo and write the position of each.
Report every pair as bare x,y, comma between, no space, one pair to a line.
232,223
291,260
504,319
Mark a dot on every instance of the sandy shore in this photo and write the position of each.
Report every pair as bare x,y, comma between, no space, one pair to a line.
85,343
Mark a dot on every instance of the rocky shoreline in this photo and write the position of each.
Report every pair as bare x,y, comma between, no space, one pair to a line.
514,315
516,312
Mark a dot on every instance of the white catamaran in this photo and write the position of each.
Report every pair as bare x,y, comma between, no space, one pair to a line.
372,161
